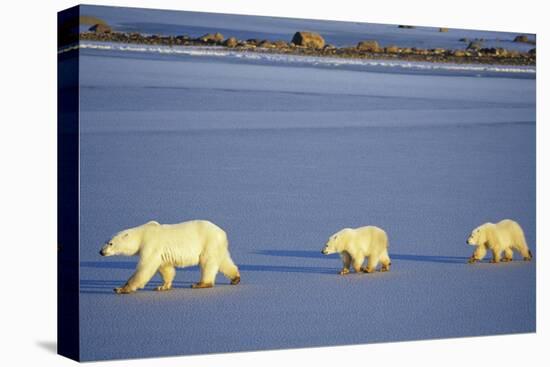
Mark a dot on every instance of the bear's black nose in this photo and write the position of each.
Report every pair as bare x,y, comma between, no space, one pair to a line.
101,252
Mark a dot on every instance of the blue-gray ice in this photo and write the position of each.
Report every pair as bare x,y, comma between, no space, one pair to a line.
281,156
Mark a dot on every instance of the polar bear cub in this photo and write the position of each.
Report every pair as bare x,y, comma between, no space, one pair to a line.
354,245
163,247
504,236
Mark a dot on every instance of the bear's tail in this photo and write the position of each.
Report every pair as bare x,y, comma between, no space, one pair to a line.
230,270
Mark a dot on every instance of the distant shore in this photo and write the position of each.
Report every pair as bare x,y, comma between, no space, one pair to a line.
312,44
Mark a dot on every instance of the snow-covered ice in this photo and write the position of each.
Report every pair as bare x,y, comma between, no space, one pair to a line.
281,155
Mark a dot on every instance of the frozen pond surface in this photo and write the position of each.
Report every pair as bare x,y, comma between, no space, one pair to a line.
281,156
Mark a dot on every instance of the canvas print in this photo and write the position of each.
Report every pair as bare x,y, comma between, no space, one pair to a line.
238,183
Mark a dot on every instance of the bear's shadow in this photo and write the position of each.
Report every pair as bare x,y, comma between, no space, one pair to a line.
106,286
101,286
393,256
128,265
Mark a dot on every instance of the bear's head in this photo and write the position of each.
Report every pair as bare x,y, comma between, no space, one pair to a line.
478,237
124,243
333,244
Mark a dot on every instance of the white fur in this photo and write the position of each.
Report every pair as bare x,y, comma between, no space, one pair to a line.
354,245
504,236
162,247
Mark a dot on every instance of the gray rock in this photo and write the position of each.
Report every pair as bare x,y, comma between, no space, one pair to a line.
308,39
474,45
212,38
522,38
369,45
253,41
266,44
231,42
280,44
100,28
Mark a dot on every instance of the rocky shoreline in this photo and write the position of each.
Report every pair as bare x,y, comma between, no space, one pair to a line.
313,44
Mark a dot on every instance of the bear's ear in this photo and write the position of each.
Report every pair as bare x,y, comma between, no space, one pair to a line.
153,222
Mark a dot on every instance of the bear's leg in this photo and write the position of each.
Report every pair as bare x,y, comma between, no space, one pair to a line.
508,254
357,263
497,252
525,252
144,272
230,270
386,262
372,263
478,254
346,259
208,275
167,272
125,289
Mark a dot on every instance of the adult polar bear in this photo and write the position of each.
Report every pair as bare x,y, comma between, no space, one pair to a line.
163,247
504,236
354,245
